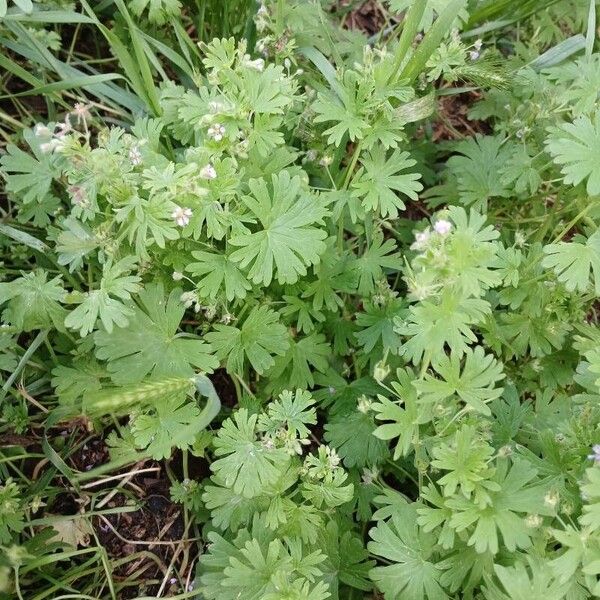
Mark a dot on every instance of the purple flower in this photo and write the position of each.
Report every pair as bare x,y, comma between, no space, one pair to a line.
595,455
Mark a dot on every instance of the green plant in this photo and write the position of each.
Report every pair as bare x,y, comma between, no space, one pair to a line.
410,327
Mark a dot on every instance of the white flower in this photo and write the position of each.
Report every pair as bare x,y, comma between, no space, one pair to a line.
443,227
533,521
257,65
40,130
421,240
216,132
208,172
364,404
135,156
473,55
189,298
595,455
381,371
227,318
64,128
477,45
369,475
53,145
332,457
177,275
182,216
81,111
520,239
326,161
551,499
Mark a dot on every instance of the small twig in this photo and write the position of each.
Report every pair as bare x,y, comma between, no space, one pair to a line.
28,397
119,476
146,543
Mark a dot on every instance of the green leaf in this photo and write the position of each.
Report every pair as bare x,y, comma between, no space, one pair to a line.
287,241
476,167
591,493
102,303
351,434
34,302
474,383
293,411
538,582
218,275
150,344
412,574
74,243
575,263
293,369
401,417
245,464
378,256
517,495
378,180
576,147
155,431
347,107
260,338
28,176
432,328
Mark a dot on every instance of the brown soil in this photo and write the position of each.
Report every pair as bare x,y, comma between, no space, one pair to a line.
367,17
453,123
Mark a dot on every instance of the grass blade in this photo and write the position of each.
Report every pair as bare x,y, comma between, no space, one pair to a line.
432,40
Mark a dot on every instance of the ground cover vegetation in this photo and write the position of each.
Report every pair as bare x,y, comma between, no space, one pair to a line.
300,300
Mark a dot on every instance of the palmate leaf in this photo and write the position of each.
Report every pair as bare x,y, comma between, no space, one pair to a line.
260,337
433,327
476,168
293,411
155,431
517,494
377,326
351,434
34,302
218,275
256,564
346,109
412,574
293,369
474,383
591,492
106,303
576,147
516,583
288,242
575,262
28,176
150,344
245,464
379,178
378,256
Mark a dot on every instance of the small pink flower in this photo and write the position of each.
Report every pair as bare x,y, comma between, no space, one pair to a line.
208,172
182,216
443,227
81,111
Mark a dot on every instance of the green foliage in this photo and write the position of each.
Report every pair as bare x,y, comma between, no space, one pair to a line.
382,251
